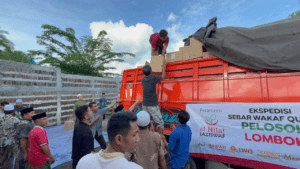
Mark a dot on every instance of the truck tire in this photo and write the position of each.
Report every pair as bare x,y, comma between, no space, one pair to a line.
192,163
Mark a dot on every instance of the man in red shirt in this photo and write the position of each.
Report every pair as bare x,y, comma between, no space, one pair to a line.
157,41
39,155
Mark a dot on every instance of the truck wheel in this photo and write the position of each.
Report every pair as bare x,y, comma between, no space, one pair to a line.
192,163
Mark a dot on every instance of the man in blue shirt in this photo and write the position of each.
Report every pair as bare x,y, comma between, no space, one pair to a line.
103,103
179,142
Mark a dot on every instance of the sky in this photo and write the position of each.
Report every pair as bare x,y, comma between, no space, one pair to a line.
129,23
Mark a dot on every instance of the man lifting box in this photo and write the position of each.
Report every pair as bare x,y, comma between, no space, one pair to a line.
157,41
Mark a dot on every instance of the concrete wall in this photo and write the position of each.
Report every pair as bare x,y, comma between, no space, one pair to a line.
50,90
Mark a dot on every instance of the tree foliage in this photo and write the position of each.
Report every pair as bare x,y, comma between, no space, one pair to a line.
295,14
5,44
7,51
15,56
86,56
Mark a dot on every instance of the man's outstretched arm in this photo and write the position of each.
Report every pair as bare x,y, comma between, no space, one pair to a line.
94,121
133,106
112,105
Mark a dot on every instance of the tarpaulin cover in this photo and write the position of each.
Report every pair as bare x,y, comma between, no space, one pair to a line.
274,46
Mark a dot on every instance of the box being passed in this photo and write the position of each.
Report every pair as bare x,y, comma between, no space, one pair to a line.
174,57
156,63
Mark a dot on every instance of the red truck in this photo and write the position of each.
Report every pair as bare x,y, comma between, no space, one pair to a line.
213,80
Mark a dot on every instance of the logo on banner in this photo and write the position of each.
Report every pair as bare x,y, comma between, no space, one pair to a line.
268,154
240,150
212,130
211,121
233,149
290,157
217,147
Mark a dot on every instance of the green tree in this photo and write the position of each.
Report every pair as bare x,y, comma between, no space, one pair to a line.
7,51
295,14
86,56
15,56
4,42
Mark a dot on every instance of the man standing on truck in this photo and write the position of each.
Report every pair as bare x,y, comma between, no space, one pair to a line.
150,103
157,41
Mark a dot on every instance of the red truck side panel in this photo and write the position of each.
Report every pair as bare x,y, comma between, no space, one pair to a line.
212,80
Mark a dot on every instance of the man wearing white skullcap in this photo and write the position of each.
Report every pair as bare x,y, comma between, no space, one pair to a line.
79,103
150,142
7,141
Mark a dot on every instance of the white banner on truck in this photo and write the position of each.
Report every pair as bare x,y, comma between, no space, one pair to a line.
267,132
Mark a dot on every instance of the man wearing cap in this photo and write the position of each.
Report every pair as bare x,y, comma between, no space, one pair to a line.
8,128
23,129
3,104
18,108
79,103
150,150
39,154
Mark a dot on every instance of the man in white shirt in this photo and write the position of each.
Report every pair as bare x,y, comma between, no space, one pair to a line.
122,133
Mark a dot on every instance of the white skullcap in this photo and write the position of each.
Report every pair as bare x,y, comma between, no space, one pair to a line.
9,107
79,95
19,101
143,119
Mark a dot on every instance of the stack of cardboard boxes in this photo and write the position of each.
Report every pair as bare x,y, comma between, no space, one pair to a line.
194,51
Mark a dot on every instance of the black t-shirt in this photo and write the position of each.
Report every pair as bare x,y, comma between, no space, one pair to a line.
149,90
83,141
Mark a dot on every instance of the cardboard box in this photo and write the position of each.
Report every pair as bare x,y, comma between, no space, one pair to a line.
174,57
207,55
156,63
195,43
191,52
69,125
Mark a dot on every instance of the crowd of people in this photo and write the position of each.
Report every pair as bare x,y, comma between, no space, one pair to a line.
131,144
